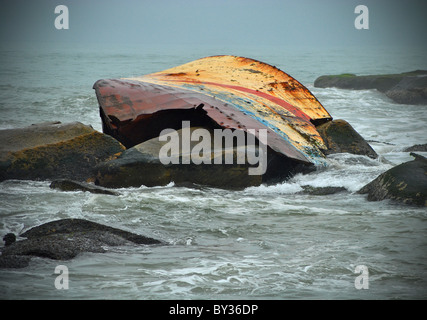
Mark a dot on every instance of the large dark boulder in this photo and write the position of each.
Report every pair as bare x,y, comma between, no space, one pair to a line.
54,150
410,90
64,239
340,137
405,88
405,183
141,165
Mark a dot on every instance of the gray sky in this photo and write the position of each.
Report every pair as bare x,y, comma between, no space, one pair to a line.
193,22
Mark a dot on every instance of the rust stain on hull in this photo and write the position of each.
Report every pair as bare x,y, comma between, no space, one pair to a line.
226,91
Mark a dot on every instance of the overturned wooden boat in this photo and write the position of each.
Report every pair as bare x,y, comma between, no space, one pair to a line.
220,92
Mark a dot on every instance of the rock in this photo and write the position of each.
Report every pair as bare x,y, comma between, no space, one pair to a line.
405,183
14,261
93,229
54,151
405,88
141,165
9,239
340,137
64,239
70,185
322,191
410,90
417,147
351,81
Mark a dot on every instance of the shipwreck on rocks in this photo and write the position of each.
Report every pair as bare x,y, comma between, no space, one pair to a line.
163,127
218,92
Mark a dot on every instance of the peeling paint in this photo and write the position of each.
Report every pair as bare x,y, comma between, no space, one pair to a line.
235,92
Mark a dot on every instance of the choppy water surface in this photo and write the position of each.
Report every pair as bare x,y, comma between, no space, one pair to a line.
267,242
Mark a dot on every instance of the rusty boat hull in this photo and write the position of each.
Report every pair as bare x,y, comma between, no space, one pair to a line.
226,92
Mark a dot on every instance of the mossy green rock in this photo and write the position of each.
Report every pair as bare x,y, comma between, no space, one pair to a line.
54,150
405,183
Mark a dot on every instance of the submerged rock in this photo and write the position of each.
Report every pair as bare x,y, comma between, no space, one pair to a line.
70,185
405,88
54,151
405,183
64,239
340,137
322,191
417,147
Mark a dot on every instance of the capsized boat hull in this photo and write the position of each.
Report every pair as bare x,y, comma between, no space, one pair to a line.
220,91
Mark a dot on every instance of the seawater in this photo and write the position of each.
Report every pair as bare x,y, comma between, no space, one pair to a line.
266,242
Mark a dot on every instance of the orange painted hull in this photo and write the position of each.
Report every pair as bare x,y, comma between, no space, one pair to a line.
226,91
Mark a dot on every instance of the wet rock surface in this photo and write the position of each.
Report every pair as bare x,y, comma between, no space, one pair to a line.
64,239
54,150
404,88
417,147
405,183
322,191
141,165
340,137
